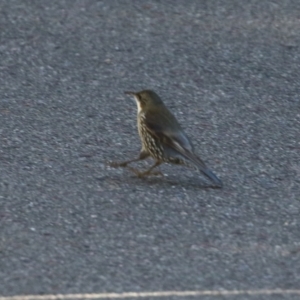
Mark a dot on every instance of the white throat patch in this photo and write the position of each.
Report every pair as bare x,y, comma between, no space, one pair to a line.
138,104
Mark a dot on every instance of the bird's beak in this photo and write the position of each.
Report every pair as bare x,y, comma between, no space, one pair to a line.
130,93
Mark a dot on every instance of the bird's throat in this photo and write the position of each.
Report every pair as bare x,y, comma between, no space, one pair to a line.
139,108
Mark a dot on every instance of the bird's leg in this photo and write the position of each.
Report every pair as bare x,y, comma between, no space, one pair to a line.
123,164
148,172
143,155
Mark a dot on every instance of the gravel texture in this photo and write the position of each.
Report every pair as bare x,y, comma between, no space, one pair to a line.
229,71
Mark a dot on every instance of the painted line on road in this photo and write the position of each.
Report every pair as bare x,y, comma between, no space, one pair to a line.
154,294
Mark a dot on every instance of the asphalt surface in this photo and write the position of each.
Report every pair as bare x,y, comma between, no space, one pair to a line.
229,71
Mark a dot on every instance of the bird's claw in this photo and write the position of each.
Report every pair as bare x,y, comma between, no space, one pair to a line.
157,173
146,173
117,165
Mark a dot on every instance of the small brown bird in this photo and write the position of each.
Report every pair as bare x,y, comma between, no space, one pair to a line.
162,137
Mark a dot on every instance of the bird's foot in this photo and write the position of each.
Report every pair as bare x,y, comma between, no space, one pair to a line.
156,173
146,173
117,165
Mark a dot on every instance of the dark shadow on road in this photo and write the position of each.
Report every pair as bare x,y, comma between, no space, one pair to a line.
167,181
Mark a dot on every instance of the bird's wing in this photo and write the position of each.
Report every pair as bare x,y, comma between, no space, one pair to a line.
166,128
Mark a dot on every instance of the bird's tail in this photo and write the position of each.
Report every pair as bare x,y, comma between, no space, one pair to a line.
208,173
176,148
204,169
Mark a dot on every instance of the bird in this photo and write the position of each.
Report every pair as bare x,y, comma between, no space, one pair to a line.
163,138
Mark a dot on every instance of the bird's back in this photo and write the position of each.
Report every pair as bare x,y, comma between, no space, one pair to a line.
161,120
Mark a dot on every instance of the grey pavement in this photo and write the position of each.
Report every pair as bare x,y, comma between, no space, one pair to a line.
228,70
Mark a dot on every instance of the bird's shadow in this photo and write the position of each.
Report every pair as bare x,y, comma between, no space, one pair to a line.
188,183
171,181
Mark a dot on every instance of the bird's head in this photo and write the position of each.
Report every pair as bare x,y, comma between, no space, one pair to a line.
145,99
